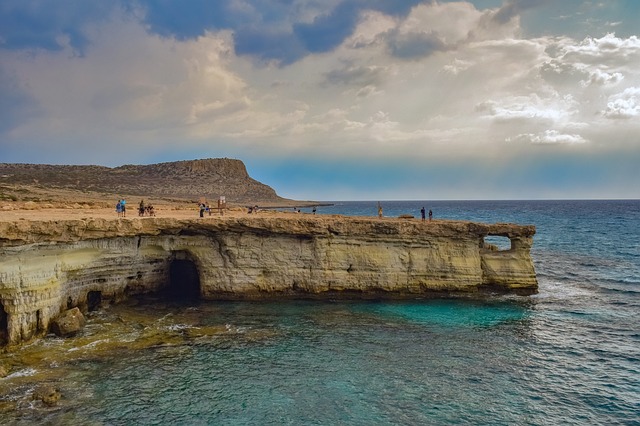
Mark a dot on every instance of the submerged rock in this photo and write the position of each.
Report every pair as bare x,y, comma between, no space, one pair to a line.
68,323
47,393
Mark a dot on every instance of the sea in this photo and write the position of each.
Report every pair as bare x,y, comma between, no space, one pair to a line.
569,355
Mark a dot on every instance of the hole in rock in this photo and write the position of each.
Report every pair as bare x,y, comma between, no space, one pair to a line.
496,243
184,281
4,326
94,298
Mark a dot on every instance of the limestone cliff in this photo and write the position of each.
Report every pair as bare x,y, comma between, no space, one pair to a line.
48,266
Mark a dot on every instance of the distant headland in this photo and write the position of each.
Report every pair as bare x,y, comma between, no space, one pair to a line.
190,180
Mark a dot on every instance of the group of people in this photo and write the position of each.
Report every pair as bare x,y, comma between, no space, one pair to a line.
145,209
121,208
423,214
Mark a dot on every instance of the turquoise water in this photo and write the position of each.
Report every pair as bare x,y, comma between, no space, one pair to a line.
568,355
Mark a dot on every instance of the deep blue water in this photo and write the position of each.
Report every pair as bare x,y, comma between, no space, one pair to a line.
568,355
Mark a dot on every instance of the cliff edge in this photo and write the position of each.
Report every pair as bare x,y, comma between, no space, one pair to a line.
49,266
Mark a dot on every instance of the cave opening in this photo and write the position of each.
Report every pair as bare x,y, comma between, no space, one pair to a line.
94,299
184,280
4,326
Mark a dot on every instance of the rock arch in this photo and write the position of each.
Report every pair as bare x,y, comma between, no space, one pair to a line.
497,242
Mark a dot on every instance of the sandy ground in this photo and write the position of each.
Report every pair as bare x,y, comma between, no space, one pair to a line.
39,213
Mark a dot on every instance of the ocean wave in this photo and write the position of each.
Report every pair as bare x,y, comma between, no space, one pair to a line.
26,372
90,345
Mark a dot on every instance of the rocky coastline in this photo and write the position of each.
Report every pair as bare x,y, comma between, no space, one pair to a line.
49,266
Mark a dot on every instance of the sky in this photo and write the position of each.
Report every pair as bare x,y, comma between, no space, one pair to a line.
335,99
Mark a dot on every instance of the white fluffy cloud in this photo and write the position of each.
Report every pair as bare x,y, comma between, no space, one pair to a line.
624,105
549,137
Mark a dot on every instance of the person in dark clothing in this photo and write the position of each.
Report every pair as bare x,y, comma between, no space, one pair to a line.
422,212
430,215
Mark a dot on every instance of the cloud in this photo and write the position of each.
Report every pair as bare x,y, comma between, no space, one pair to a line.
608,50
457,66
360,76
270,30
548,137
43,25
602,78
513,8
529,109
624,105
415,45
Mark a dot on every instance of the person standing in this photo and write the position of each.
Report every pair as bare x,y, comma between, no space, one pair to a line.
119,208
379,210
430,215
202,208
124,207
422,213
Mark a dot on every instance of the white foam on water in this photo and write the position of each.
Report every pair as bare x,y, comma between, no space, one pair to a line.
88,345
27,372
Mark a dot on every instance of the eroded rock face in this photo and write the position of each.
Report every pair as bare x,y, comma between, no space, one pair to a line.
46,267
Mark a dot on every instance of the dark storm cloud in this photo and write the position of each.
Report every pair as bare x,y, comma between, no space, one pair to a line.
266,33
185,19
41,24
264,29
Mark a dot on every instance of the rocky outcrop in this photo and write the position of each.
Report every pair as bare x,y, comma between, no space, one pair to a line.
68,323
50,266
47,393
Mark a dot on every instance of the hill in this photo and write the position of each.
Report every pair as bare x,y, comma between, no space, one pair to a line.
193,179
